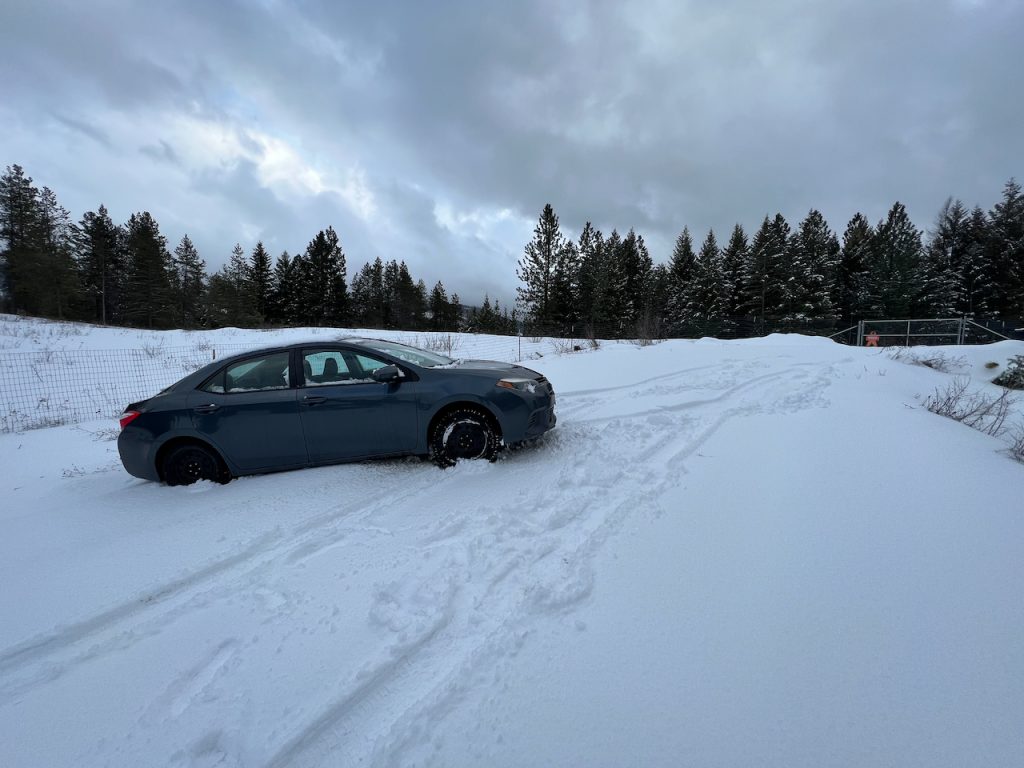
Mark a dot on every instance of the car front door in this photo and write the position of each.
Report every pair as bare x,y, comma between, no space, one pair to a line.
348,415
250,412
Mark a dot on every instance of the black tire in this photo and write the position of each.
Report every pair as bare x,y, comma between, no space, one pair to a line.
463,433
188,463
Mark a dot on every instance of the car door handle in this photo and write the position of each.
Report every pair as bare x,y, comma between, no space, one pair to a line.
314,399
209,408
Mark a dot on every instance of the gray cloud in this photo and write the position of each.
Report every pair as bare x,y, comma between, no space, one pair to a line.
435,132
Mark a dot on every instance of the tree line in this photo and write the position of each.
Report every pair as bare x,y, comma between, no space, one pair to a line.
97,270
970,263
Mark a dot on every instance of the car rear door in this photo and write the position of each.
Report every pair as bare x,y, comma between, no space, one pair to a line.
250,412
348,415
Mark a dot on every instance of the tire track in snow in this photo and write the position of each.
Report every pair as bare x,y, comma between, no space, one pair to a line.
688,404
162,605
545,568
443,697
640,384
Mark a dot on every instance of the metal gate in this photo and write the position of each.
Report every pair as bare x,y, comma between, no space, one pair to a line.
911,333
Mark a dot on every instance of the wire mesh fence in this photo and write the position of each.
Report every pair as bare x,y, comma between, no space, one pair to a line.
50,387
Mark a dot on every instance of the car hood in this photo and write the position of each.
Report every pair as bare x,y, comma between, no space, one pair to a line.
492,365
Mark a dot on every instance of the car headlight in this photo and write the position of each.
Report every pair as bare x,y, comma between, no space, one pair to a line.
523,385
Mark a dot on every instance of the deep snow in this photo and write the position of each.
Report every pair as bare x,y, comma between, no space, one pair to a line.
762,552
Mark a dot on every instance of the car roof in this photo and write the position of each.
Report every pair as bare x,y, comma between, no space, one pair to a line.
310,342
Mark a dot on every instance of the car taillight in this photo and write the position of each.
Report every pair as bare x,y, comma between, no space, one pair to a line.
128,417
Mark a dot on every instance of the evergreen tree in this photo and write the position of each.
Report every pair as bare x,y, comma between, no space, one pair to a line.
284,292
565,288
230,295
369,298
976,277
940,272
455,308
897,254
762,289
403,298
680,272
189,284
485,318
403,302
734,256
102,266
149,302
634,265
37,260
438,307
593,277
852,298
538,267
360,297
444,313
390,292
324,290
705,293
260,280
19,216
59,291
813,260
613,301
1006,253
659,294
419,305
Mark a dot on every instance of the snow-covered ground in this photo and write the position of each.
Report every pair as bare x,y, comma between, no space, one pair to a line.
761,552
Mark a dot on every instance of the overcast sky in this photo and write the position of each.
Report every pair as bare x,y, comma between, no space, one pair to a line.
435,132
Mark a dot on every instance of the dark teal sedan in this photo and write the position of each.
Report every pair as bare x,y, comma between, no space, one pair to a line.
314,403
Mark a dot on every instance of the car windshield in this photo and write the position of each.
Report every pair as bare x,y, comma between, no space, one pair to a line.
405,353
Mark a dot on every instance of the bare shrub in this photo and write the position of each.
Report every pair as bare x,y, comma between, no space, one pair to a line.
590,334
985,413
1017,446
647,330
937,361
566,346
444,343
153,349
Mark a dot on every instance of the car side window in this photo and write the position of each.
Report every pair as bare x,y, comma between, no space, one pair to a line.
255,374
215,384
325,366
369,364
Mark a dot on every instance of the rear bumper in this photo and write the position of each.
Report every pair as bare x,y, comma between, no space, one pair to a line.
135,448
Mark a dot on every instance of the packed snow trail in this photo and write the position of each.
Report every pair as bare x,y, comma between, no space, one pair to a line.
360,614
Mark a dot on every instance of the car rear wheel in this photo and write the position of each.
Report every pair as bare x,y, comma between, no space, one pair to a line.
188,463
464,433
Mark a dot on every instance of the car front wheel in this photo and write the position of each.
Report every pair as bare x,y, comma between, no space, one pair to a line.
464,433
186,464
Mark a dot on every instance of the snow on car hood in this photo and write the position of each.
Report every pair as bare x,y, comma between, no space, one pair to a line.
487,365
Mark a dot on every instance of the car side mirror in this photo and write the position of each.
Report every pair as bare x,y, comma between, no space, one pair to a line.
388,374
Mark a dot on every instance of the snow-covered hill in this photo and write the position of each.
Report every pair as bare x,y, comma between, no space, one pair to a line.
762,552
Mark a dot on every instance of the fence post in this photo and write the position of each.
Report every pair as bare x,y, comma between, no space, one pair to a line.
907,344
860,333
520,348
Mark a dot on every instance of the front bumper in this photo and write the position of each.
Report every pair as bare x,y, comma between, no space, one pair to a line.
541,420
